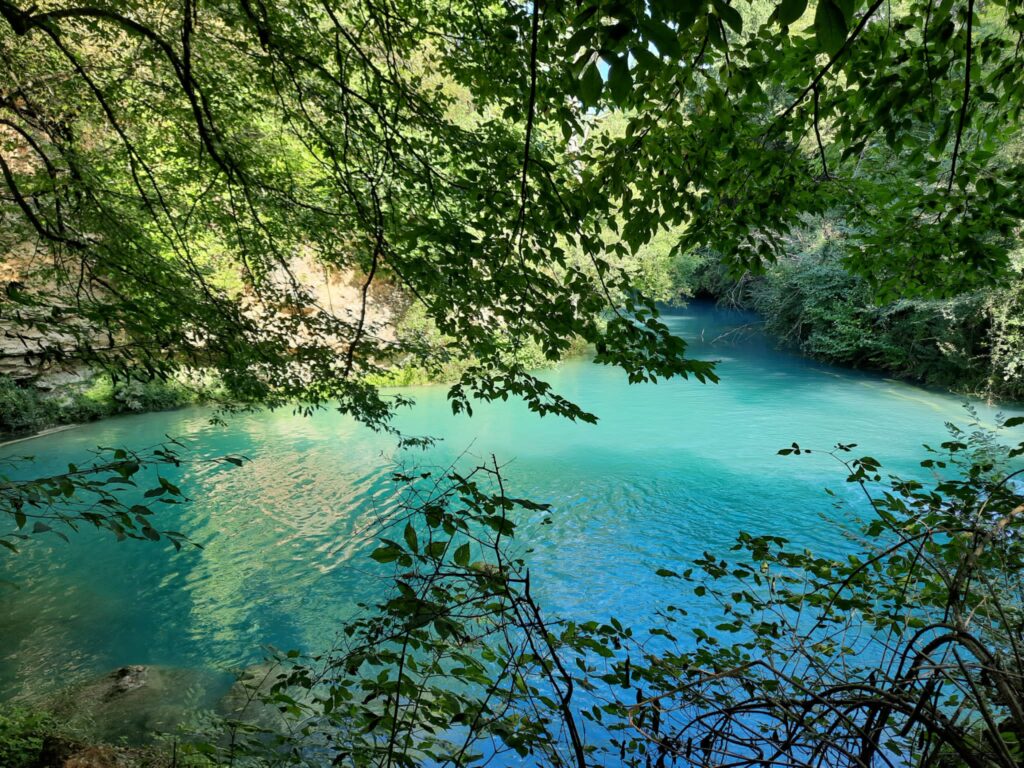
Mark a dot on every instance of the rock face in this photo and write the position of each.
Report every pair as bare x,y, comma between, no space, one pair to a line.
19,359
20,344
338,292
136,702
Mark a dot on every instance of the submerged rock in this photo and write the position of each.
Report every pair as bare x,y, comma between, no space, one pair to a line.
137,702
64,753
247,700
126,679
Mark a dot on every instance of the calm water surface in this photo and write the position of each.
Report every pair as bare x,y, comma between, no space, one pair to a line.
671,470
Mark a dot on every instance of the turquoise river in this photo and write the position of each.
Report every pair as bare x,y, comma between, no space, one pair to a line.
669,471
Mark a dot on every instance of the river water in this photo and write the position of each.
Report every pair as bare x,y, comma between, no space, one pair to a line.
670,470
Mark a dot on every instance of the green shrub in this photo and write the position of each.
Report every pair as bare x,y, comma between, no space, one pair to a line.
971,343
815,304
22,732
157,395
23,409
433,364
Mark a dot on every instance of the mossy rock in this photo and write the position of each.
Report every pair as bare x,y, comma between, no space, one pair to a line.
252,700
135,703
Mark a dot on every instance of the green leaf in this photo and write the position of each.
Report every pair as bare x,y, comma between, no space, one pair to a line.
590,85
169,486
462,555
410,538
578,39
385,554
620,82
435,549
789,11
847,7
663,36
830,27
729,15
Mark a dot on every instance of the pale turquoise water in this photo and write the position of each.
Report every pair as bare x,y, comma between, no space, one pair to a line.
671,470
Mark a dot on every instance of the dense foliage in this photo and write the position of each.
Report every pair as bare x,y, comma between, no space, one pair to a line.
971,343
24,409
165,166
22,731
174,163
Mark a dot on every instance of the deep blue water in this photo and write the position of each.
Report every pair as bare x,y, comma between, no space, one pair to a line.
670,471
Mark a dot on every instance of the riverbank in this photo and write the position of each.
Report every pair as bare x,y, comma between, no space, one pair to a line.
33,738
138,716
968,344
28,412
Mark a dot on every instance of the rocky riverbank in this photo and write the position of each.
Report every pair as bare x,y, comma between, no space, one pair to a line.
133,717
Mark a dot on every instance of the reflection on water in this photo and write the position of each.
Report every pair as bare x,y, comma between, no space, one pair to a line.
671,470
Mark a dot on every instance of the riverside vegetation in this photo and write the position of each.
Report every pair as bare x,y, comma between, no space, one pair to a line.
532,177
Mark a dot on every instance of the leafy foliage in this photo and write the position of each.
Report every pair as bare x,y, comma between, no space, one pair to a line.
25,409
456,666
174,208
743,122
173,162
441,361
22,732
164,166
901,652
968,343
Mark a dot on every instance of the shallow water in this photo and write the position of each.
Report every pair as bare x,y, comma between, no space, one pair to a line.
671,470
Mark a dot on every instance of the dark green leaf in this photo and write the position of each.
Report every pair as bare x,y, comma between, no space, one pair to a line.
590,85
830,27
620,82
789,11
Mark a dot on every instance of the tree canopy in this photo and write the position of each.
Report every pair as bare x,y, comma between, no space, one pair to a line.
165,164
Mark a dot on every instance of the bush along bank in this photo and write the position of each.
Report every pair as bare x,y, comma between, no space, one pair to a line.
25,409
972,343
